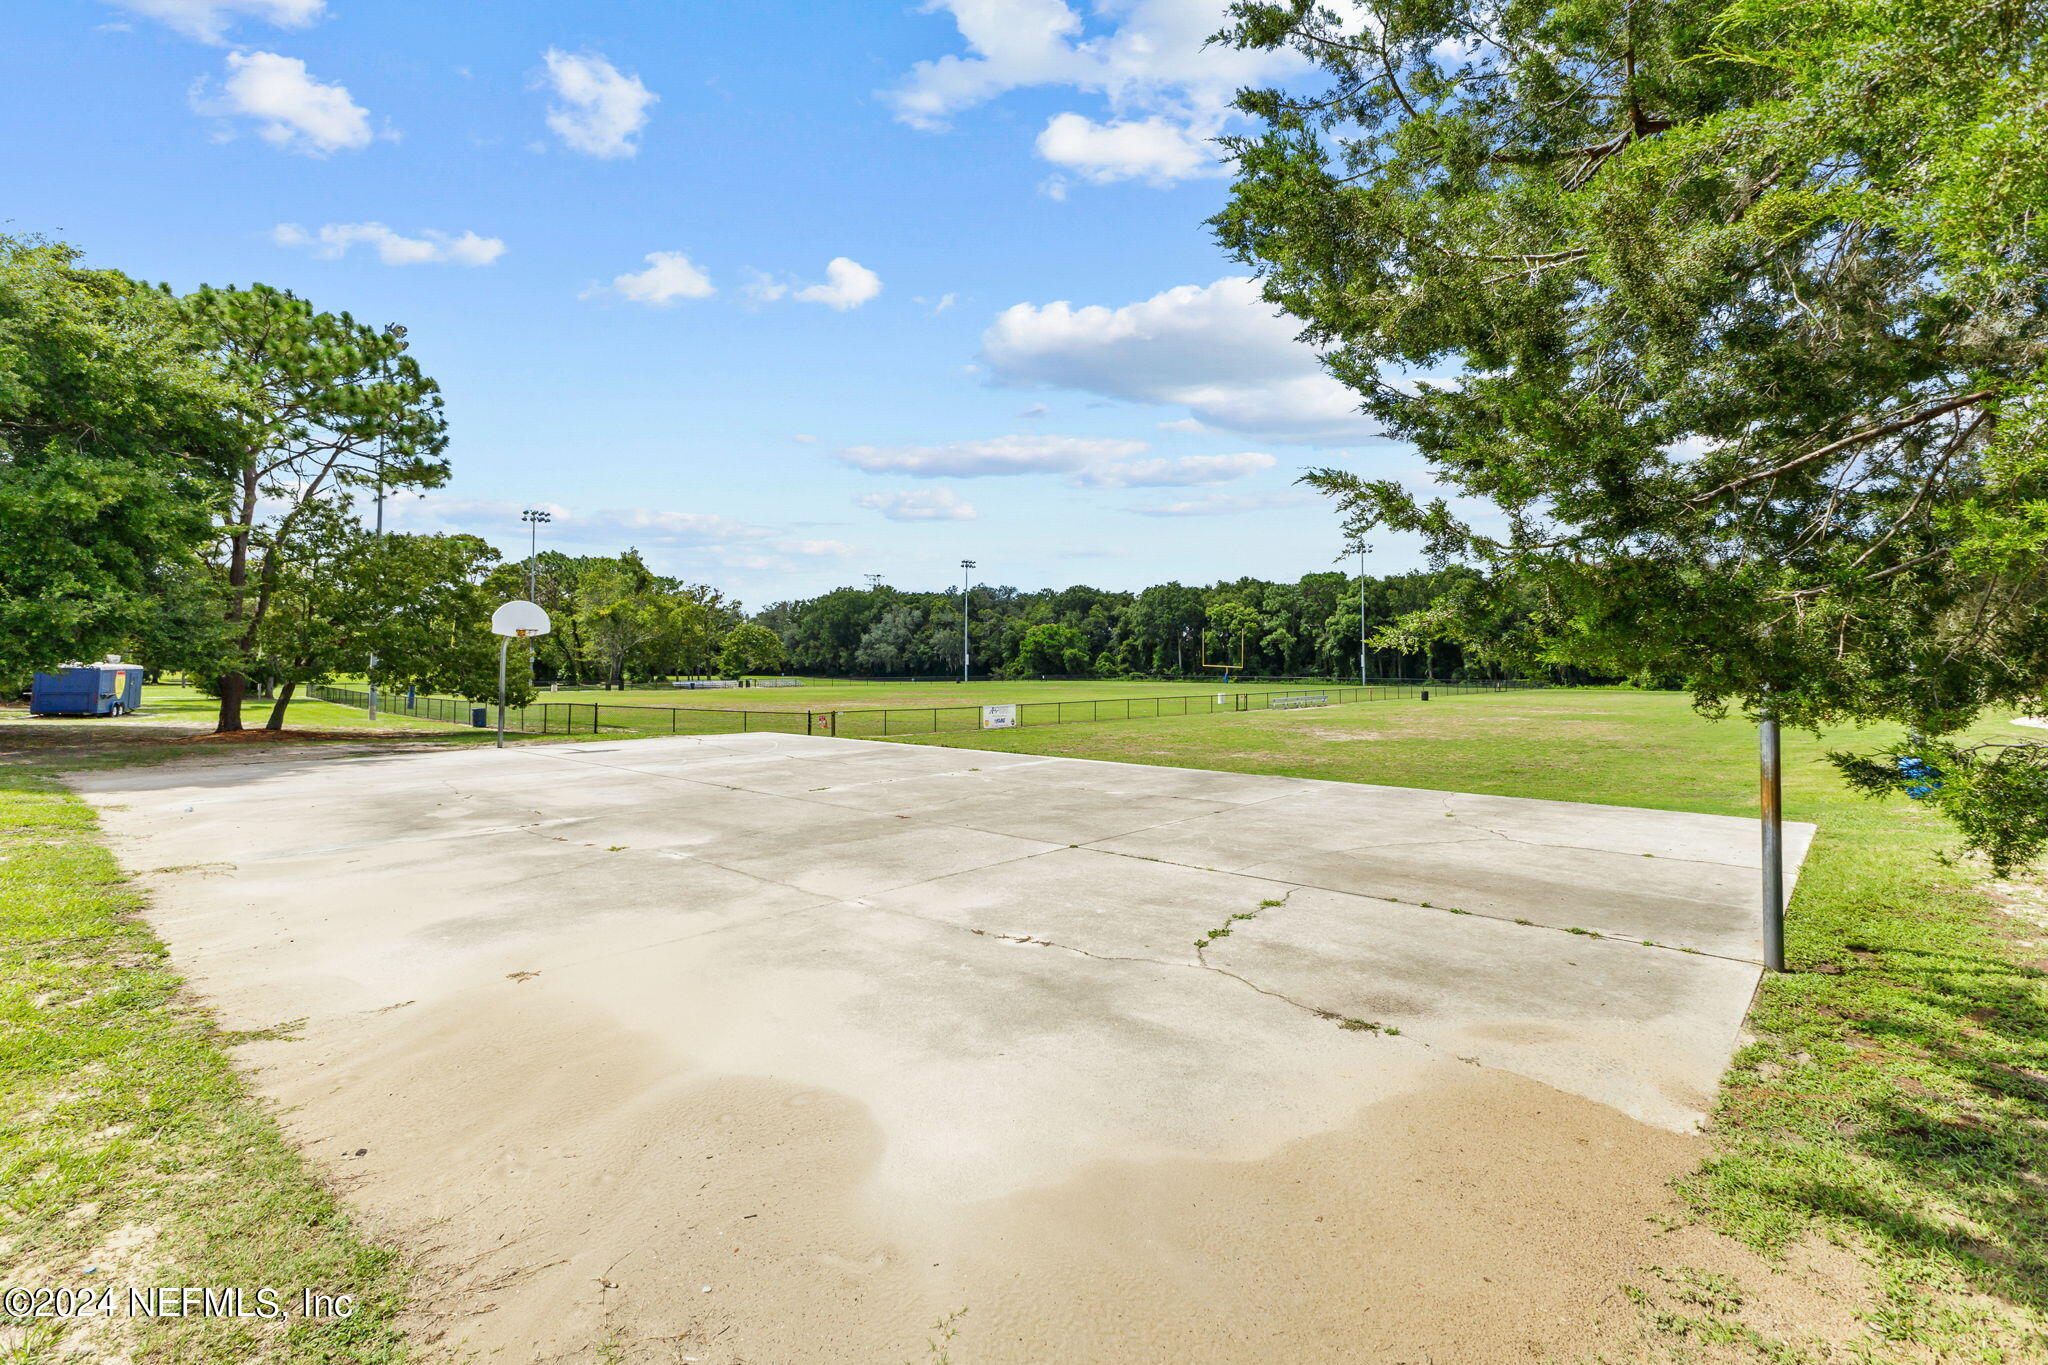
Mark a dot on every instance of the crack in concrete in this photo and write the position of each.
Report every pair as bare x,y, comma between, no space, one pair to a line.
1612,853
1251,875
1200,965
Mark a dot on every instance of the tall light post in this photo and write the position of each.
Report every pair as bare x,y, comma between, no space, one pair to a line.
396,332
534,519
966,567
1361,616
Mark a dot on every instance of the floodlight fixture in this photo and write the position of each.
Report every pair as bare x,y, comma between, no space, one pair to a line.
534,519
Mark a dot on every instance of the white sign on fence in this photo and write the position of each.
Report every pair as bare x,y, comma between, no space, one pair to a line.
999,717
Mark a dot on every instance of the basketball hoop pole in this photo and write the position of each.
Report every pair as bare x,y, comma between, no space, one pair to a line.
504,645
521,618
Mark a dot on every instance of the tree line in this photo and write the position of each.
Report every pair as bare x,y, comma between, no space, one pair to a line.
1308,628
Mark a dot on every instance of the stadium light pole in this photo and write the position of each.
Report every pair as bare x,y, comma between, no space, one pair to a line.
396,332
534,519
966,567
1361,616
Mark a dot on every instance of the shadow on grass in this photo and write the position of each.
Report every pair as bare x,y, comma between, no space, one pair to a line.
1898,1094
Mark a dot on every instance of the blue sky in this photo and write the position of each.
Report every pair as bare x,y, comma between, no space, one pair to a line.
782,293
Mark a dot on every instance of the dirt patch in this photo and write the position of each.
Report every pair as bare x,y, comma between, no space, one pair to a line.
563,1196
273,736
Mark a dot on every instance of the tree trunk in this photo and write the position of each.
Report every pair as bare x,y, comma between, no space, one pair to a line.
233,687
284,699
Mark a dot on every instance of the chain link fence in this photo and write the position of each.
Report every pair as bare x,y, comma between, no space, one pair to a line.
595,718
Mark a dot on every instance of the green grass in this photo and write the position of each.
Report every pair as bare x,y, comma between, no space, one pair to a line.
173,702
174,721
877,710
131,1152
835,696
1895,1098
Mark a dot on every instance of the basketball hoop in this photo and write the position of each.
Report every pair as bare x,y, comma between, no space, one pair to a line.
517,619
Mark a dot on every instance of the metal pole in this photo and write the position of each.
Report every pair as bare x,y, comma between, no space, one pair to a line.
397,333
1361,617
534,517
1774,843
966,566
380,535
504,644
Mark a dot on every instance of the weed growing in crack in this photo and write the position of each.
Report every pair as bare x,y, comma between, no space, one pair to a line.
1223,930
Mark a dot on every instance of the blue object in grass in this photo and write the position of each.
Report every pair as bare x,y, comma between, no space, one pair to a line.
1924,777
105,689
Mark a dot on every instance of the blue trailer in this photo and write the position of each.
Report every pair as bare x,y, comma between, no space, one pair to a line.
109,689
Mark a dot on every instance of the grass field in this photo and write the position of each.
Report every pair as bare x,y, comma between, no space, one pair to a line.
176,722
1896,1094
877,711
840,695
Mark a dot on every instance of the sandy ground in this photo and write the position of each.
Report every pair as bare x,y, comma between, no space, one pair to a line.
774,1048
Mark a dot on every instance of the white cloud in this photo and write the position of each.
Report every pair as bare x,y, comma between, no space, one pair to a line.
1182,424
997,456
1167,88
1156,150
291,109
691,541
430,247
1218,350
763,288
920,504
847,284
209,20
1187,472
599,110
1221,505
669,276
804,438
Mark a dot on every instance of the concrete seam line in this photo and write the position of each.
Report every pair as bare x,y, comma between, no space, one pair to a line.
1441,909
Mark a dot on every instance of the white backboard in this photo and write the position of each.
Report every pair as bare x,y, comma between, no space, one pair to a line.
519,617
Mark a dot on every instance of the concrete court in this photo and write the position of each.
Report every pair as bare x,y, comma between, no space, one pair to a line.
994,956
